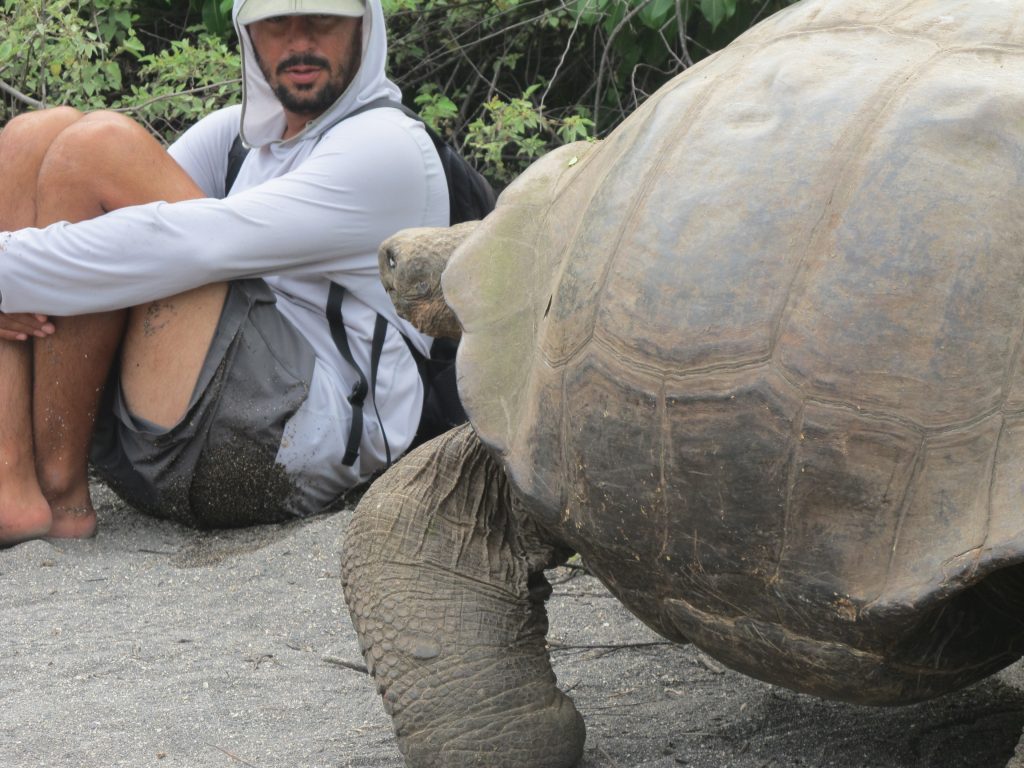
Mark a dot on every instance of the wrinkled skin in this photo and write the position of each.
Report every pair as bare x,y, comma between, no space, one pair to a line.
411,263
444,581
757,357
462,618
443,575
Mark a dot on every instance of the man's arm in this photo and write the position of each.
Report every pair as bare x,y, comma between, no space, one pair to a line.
359,184
66,165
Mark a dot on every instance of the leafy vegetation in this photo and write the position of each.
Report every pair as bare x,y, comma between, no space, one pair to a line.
513,78
165,70
506,79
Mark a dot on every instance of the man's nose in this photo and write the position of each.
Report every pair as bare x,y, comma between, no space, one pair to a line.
299,33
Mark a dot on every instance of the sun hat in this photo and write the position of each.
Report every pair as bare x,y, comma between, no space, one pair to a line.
255,10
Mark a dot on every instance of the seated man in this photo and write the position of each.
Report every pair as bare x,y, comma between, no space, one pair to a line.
230,326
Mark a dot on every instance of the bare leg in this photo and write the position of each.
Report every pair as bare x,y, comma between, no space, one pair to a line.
164,349
70,370
101,163
98,163
24,511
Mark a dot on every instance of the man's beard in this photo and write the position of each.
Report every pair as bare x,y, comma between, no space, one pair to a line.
304,100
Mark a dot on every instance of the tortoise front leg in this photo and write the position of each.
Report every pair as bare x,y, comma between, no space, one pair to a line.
446,590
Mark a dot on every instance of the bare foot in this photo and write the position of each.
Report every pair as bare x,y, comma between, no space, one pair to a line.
76,522
24,515
73,514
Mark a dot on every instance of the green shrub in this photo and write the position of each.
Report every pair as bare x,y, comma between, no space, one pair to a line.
96,55
63,52
507,80
181,83
514,78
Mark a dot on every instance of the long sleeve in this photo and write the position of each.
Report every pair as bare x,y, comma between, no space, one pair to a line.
326,213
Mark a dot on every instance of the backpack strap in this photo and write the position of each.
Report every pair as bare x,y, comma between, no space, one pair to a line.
380,332
357,398
336,321
236,155
470,196
238,151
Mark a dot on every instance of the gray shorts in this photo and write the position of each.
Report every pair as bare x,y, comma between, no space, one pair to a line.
216,468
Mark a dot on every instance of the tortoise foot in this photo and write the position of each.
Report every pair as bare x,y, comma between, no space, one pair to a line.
446,591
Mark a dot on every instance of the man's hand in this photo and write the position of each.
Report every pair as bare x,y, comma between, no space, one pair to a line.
19,326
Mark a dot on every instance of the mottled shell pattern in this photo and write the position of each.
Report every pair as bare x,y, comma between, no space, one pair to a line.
758,354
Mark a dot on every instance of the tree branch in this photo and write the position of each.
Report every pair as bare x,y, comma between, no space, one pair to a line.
623,23
24,99
681,19
561,61
176,94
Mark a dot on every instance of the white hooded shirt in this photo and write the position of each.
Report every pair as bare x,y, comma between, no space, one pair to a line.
301,214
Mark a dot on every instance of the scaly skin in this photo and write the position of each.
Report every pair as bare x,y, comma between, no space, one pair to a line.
445,586
411,263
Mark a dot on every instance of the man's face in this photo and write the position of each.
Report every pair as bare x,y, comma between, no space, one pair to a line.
308,59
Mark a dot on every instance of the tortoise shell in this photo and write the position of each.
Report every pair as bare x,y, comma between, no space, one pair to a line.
758,355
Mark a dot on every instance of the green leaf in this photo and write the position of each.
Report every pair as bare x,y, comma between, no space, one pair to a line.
215,19
588,11
656,13
134,45
614,16
717,11
395,6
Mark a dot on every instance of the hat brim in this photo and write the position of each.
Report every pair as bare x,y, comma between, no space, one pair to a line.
257,10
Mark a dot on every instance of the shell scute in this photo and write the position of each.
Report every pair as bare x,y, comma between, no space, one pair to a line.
765,367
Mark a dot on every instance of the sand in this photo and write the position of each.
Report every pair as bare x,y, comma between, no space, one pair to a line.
156,645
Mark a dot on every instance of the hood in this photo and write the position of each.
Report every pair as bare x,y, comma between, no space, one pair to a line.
263,119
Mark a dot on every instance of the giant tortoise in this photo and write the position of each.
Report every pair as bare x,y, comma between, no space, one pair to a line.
758,357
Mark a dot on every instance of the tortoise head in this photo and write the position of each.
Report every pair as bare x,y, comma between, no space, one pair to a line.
411,263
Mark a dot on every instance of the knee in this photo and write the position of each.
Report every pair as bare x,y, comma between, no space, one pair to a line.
30,128
106,131
87,149
30,123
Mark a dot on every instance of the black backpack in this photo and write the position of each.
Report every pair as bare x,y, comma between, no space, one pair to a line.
470,197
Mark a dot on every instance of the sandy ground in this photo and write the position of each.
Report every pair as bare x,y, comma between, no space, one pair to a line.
154,645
